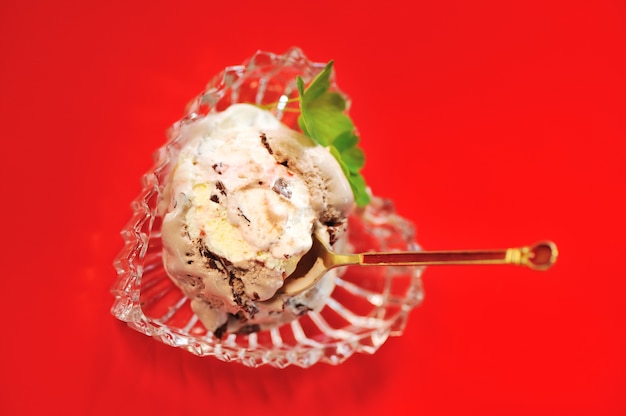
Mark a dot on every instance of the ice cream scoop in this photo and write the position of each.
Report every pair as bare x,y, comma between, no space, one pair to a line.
320,259
240,206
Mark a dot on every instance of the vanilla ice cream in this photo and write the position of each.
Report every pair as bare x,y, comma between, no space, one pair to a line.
241,205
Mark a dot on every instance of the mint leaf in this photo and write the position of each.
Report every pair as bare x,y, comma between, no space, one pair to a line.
320,84
323,118
345,141
359,189
354,158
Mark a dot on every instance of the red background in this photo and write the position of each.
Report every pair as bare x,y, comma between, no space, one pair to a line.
490,123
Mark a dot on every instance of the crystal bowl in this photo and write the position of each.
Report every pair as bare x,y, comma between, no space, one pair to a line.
368,304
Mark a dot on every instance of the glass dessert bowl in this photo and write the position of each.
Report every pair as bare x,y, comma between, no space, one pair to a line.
366,306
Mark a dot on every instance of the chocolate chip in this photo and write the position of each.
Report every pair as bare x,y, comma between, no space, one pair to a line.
241,214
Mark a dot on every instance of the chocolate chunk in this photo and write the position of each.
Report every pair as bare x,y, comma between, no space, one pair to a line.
301,308
237,287
215,199
218,167
281,187
239,296
332,235
249,329
213,260
220,187
334,226
251,310
266,144
220,332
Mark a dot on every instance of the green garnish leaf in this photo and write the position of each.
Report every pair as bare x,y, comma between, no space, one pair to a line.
354,158
319,86
345,141
323,118
359,188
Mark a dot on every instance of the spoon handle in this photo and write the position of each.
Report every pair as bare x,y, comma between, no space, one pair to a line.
539,256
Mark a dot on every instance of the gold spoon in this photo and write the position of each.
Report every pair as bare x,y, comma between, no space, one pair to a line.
320,259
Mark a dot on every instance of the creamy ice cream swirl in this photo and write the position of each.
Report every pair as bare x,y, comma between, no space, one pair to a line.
243,200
